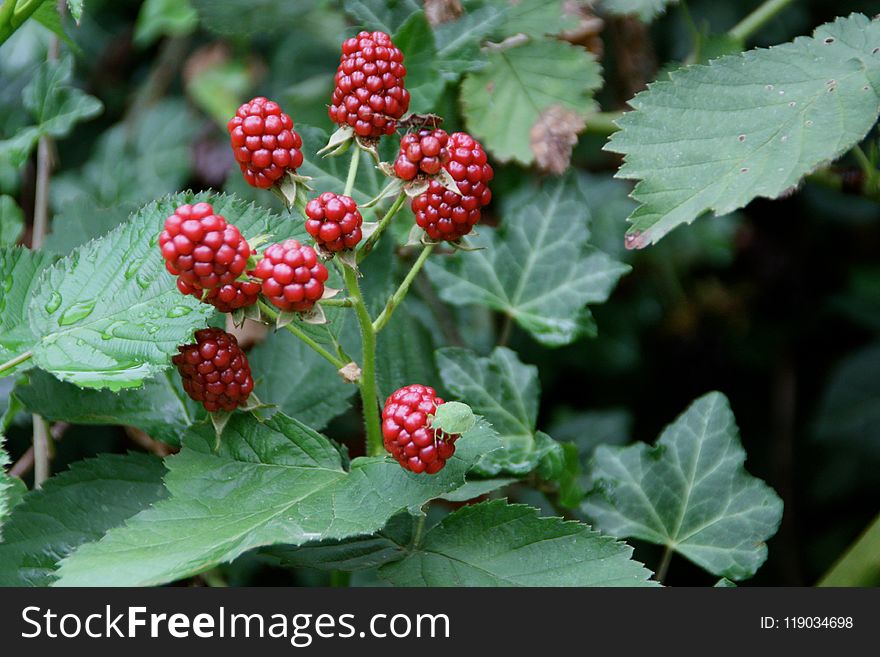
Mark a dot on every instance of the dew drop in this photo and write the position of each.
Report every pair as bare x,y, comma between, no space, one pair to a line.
769,87
783,138
53,303
828,40
77,312
7,283
132,269
143,280
744,170
741,138
781,93
152,329
179,311
792,104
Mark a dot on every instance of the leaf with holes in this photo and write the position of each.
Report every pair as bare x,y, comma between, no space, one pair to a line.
712,138
689,493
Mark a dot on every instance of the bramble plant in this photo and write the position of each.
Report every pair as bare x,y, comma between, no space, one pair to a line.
396,257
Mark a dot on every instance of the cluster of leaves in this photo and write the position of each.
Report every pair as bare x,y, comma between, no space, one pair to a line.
94,318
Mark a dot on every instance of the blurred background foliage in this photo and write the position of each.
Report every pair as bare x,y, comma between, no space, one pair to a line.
777,306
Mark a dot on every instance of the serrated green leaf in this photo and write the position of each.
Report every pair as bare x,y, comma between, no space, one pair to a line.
384,15
536,268
76,9
475,488
458,41
20,271
690,493
535,18
158,18
505,99
275,482
497,544
645,9
6,485
11,221
75,507
712,138
415,38
296,379
161,408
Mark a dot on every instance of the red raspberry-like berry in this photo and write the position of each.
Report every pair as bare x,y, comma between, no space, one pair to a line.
422,152
370,95
264,142
226,298
407,433
215,370
334,221
201,248
444,215
293,277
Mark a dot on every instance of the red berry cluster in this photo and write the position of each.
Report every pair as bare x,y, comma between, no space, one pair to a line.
334,221
293,277
215,370
370,95
422,152
443,214
264,142
206,254
407,432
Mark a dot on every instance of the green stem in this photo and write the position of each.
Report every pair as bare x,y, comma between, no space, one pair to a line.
295,330
602,123
8,365
383,224
401,291
369,398
665,560
860,564
14,15
6,12
352,170
339,303
757,19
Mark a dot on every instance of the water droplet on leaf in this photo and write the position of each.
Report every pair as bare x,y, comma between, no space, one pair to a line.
53,303
77,312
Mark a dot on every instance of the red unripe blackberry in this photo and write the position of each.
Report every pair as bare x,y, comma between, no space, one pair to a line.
293,277
408,435
334,221
201,248
370,94
215,370
469,167
422,152
264,142
226,298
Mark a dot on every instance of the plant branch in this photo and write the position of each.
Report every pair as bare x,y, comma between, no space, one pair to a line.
860,563
383,224
665,560
41,451
339,303
369,398
298,332
602,123
18,360
401,291
757,19
352,170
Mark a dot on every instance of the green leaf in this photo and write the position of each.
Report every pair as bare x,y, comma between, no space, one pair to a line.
385,15
296,379
712,138
11,221
161,408
218,88
275,482
454,418
76,9
250,17
504,391
158,18
690,493
533,17
497,544
416,40
20,271
82,219
458,42
475,488
75,507
407,350
849,413
645,9
505,99
7,486
536,268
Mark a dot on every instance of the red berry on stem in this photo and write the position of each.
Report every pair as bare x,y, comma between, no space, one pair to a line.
408,435
201,249
264,142
334,221
293,277
226,298
215,370
422,152
370,94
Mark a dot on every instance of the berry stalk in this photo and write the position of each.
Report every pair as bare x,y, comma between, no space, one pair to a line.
8,365
383,224
271,313
401,291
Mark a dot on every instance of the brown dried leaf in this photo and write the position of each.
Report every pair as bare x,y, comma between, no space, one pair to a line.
553,136
442,11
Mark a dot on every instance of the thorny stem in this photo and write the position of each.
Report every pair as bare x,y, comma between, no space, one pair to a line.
401,291
295,330
369,398
18,360
757,19
383,224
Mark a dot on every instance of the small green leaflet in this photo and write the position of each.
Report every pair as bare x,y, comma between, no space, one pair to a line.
453,417
504,100
537,267
645,9
497,544
714,137
415,39
11,221
76,9
20,271
72,508
272,482
690,493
